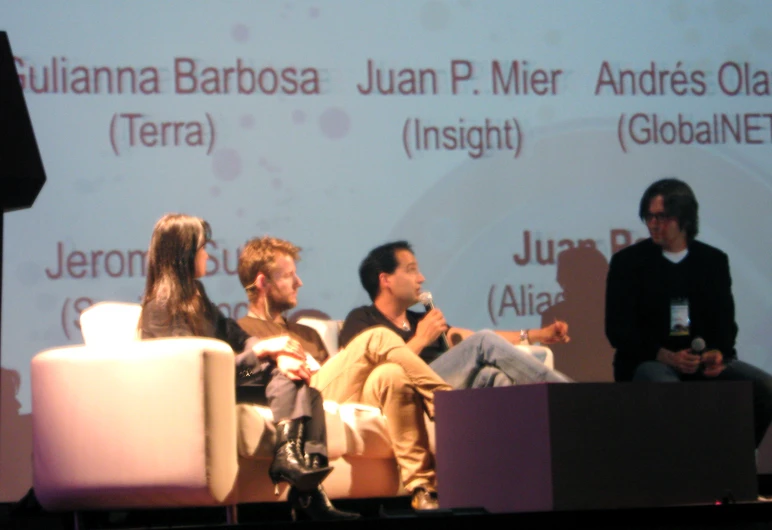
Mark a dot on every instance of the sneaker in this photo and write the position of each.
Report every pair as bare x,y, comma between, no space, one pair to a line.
424,498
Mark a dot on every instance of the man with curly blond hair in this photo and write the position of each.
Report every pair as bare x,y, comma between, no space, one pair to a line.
375,369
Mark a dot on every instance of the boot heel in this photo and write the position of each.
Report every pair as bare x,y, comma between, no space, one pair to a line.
303,480
276,475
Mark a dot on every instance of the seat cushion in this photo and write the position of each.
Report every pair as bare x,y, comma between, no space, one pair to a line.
328,330
352,430
108,323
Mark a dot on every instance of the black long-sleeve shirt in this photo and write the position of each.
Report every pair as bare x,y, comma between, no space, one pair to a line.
156,322
640,286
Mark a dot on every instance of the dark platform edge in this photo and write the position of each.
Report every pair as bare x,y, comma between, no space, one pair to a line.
395,513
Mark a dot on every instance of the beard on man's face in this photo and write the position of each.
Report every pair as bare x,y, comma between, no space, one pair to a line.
280,305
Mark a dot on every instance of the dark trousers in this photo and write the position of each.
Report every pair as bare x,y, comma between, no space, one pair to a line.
291,400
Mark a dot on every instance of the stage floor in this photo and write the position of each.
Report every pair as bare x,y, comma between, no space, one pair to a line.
395,514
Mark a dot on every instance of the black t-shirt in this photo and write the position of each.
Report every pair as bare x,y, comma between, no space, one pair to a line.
366,317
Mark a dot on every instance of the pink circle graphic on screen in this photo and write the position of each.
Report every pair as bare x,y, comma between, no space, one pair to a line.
214,191
240,212
240,33
334,123
313,12
435,15
298,116
226,164
247,121
276,183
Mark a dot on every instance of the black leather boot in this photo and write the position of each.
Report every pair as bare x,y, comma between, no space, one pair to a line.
314,505
316,461
289,461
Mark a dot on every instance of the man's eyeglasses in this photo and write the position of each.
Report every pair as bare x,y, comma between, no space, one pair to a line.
659,217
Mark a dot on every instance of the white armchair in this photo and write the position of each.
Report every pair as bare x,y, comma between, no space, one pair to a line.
128,426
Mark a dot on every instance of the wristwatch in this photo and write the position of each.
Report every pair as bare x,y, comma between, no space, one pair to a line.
524,337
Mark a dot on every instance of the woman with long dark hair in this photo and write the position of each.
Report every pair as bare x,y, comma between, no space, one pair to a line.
271,371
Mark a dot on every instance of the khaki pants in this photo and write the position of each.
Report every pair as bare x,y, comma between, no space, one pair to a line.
377,369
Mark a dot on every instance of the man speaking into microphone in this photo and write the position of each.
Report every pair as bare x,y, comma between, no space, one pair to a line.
462,358
392,279
669,304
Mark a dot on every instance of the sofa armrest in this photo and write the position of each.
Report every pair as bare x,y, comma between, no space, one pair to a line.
141,424
543,353
328,330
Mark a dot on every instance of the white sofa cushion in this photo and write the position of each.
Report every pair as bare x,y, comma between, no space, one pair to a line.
107,323
328,330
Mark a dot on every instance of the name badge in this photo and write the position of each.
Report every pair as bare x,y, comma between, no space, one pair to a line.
679,317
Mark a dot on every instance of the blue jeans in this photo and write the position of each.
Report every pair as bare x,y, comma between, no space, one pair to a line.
487,359
657,372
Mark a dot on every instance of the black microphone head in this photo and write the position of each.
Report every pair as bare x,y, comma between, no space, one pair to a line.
426,299
698,345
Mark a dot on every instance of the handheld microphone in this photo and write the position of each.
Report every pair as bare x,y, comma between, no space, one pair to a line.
698,345
428,303
698,348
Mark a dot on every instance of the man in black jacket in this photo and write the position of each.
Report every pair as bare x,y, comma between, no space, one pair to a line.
665,292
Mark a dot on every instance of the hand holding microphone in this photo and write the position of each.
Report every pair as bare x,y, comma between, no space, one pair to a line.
698,345
711,361
689,360
428,303
686,361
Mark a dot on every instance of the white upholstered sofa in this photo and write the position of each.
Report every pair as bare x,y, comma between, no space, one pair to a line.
121,423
